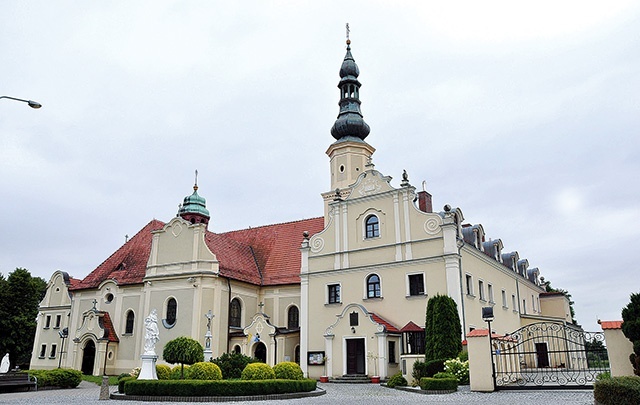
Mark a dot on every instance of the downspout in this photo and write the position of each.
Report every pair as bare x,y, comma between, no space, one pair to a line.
462,295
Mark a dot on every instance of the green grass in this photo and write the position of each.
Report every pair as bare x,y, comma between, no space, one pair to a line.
113,380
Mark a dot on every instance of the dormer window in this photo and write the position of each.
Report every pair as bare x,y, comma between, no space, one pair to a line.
372,227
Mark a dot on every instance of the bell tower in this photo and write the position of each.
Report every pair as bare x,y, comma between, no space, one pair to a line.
349,155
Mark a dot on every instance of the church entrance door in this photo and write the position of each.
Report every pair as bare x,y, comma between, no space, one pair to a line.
355,356
260,352
88,358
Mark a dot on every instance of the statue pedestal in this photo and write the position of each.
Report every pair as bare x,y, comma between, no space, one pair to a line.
208,353
148,369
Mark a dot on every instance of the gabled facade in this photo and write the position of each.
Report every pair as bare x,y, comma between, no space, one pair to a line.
344,293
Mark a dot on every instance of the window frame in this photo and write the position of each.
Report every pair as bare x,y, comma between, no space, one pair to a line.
415,276
173,312
504,299
129,324
290,319
47,321
43,351
490,293
235,306
482,297
371,229
469,284
373,288
53,351
334,293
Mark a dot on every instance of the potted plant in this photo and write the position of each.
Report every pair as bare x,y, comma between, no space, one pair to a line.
324,378
373,356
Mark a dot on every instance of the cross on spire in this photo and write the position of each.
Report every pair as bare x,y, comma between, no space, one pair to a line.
348,31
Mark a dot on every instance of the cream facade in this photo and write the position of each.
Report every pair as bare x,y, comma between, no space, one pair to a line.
343,293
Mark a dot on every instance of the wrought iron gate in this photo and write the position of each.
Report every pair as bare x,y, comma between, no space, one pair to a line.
548,355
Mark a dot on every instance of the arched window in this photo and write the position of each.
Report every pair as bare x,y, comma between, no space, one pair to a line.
172,311
373,286
128,329
293,318
372,227
235,313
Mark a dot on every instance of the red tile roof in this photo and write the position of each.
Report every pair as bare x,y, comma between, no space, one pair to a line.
610,324
107,325
411,327
485,332
390,328
266,255
276,248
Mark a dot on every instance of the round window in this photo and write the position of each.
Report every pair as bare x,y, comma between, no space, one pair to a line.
341,168
108,298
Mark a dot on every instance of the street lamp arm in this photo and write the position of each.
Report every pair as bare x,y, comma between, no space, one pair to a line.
32,104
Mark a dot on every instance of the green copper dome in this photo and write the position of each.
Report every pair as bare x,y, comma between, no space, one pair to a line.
194,204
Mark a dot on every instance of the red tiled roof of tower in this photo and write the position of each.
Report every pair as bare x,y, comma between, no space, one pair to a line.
276,248
387,324
411,327
107,325
610,324
128,264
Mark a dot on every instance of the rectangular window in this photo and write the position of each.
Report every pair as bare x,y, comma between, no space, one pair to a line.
58,320
53,351
524,306
392,352
504,299
533,303
469,285
416,284
334,293
47,322
481,290
43,351
415,342
490,293
353,319
514,304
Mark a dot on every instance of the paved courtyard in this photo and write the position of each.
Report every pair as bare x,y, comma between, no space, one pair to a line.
336,394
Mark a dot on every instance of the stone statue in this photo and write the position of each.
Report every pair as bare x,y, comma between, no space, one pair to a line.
4,366
152,334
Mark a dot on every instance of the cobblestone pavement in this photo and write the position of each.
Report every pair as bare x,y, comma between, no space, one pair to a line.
351,394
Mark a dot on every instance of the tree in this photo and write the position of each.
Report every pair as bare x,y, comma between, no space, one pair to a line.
631,329
20,296
442,329
183,350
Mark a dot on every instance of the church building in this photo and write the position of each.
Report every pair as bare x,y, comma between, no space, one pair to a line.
342,293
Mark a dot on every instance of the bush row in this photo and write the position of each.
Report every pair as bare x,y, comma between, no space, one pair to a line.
438,384
186,388
58,377
617,390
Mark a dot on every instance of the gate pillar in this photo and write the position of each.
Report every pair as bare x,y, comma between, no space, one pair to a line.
480,357
618,348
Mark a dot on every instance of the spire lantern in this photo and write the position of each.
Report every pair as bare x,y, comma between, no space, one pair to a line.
350,124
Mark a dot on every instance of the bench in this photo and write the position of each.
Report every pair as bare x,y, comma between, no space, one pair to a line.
17,380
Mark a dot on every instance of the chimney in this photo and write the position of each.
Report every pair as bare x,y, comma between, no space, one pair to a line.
424,201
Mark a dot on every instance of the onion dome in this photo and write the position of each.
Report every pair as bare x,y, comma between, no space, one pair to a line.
350,122
194,208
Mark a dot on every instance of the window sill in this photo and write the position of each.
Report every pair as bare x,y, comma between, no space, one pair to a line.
373,299
41,357
333,304
416,296
471,296
168,325
505,307
482,300
515,311
46,327
127,334
51,358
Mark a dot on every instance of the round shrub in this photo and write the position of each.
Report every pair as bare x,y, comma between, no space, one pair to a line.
397,380
205,371
123,375
163,371
288,370
175,372
258,371
232,364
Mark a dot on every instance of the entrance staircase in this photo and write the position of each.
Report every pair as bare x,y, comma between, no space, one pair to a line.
351,379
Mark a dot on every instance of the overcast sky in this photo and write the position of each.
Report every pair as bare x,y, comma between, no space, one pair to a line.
525,117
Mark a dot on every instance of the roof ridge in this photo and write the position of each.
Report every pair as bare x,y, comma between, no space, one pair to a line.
268,225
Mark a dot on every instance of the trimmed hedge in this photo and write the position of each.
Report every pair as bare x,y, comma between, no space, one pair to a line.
205,371
58,377
198,388
434,366
258,371
397,380
617,390
288,370
438,384
163,371
122,381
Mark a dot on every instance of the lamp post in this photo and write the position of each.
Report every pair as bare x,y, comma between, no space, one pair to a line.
487,316
32,104
64,333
